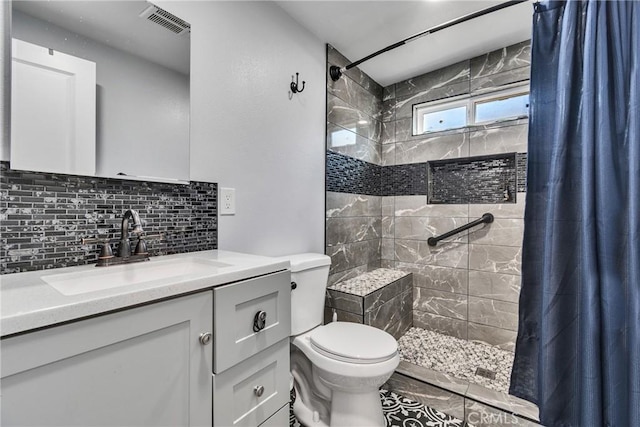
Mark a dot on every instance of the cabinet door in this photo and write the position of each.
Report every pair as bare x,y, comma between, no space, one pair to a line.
139,367
53,111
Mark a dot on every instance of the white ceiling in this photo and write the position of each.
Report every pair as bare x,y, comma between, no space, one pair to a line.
359,28
116,24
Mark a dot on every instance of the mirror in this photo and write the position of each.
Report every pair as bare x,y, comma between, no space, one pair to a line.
141,55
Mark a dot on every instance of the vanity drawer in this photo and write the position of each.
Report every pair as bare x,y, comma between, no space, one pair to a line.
237,400
279,419
235,308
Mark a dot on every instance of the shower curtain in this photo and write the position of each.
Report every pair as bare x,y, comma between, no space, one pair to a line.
578,346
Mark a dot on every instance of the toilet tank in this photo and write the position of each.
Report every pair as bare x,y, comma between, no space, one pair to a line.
310,273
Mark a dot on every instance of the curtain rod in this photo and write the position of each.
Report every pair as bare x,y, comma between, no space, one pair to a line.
335,72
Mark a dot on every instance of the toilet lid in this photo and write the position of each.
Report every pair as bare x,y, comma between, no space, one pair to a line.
354,342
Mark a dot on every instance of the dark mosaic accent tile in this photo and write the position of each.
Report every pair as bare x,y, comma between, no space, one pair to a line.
404,180
348,175
44,216
457,181
521,166
486,179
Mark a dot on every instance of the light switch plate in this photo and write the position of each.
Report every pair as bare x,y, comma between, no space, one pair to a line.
227,203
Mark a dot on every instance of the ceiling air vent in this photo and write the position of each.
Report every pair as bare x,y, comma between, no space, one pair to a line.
165,19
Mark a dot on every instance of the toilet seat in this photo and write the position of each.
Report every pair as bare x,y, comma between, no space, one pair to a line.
353,343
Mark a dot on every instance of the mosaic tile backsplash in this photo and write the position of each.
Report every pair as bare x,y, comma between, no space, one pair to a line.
44,216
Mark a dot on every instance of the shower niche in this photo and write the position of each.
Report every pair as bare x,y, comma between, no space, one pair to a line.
478,180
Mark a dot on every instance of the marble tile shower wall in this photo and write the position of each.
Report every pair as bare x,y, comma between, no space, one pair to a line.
354,125
44,216
468,285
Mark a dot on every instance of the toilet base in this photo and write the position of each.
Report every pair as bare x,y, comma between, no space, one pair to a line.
369,411
306,416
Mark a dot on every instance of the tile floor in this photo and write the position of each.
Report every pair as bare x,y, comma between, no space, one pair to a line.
457,357
402,412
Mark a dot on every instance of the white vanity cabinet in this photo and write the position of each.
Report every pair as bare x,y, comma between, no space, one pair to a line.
144,366
252,324
216,356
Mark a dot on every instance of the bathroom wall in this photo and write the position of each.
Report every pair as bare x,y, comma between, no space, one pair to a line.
468,285
353,205
247,132
44,216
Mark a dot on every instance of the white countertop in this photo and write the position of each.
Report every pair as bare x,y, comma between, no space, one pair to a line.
27,302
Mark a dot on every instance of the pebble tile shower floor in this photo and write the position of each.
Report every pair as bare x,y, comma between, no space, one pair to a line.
457,357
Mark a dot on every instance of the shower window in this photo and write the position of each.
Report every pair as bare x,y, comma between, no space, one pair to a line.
438,116
497,108
462,111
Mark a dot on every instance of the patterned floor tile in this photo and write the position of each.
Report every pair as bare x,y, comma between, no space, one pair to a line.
478,363
400,411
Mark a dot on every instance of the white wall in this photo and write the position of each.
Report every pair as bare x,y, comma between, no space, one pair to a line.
247,134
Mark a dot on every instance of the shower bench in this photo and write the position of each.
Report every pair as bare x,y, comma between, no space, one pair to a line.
382,298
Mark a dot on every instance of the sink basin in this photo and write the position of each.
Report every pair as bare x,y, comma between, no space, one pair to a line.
102,278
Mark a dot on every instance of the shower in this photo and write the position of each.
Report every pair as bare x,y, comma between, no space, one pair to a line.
390,190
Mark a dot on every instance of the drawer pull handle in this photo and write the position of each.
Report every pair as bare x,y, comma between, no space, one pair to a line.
259,321
258,390
205,338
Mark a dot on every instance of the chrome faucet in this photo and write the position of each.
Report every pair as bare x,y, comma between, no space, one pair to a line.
124,248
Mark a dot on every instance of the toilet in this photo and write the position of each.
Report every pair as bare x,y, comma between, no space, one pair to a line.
337,368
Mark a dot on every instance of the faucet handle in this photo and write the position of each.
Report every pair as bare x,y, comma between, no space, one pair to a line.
106,252
91,240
